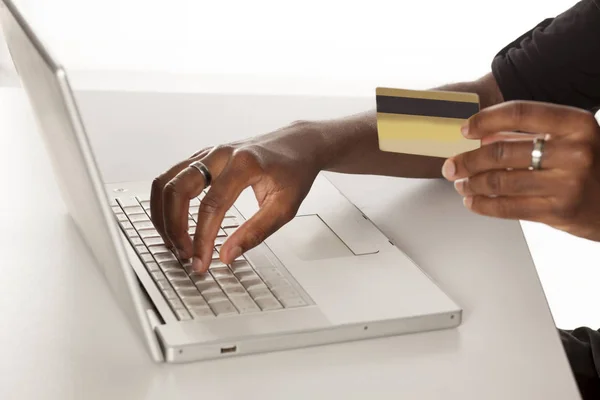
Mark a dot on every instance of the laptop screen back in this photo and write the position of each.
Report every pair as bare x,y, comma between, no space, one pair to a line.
73,164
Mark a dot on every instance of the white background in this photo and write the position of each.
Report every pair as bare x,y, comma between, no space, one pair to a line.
415,44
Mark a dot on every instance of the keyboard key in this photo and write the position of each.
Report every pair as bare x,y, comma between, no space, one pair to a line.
168,266
227,281
145,204
153,241
183,315
234,290
188,293
157,275
221,273
126,225
152,267
141,217
143,197
241,266
194,215
139,225
268,303
259,291
208,287
201,312
117,209
131,233
195,302
215,255
147,257
293,302
217,264
252,283
205,277
180,284
220,240
163,284
158,249
149,233
194,201
162,257
223,308
231,222
179,275
191,231
133,210
141,249
230,213
175,303
244,304
170,294
121,217
136,241
221,233
127,201
246,275
113,202
215,297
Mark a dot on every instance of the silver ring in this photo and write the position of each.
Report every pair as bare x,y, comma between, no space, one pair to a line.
204,171
537,153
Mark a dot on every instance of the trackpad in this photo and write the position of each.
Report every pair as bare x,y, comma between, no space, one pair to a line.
310,239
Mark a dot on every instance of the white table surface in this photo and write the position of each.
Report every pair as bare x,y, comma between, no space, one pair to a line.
63,336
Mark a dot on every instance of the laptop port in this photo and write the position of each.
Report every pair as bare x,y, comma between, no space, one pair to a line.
227,350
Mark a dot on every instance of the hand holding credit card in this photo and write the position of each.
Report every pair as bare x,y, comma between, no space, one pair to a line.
424,122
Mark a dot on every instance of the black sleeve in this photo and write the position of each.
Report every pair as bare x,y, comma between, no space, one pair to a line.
582,347
558,61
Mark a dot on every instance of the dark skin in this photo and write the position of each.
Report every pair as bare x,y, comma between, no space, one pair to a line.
281,166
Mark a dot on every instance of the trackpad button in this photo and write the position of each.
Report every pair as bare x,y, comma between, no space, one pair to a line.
310,239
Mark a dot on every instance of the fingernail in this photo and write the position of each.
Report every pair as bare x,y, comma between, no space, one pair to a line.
448,169
236,252
197,264
465,129
459,185
468,201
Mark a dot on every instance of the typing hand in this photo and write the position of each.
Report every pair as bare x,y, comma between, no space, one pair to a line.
280,167
564,193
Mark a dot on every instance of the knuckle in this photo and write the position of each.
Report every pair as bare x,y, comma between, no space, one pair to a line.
583,155
494,182
499,152
157,184
210,204
244,156
171,189
255,237
517,110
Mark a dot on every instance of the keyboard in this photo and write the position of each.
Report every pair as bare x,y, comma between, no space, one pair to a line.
244,286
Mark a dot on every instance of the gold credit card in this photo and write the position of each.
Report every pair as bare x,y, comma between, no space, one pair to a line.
424,122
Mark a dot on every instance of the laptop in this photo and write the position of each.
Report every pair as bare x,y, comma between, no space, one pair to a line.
328,276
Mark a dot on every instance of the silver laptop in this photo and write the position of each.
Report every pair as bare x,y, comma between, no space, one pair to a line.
327,276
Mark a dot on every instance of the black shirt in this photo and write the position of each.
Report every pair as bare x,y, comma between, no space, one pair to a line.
558,61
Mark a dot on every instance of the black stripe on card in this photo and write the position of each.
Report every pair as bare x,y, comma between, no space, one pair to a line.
426,107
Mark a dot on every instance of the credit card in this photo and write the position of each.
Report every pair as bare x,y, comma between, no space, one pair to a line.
424,122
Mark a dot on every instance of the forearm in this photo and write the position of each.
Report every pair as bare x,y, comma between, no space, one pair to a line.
352,144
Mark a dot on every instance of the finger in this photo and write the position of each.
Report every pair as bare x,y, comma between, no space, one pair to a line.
177,193
211,212
510,137
511,183
502,155
267,220
157,207
156,197
527,116
524,208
